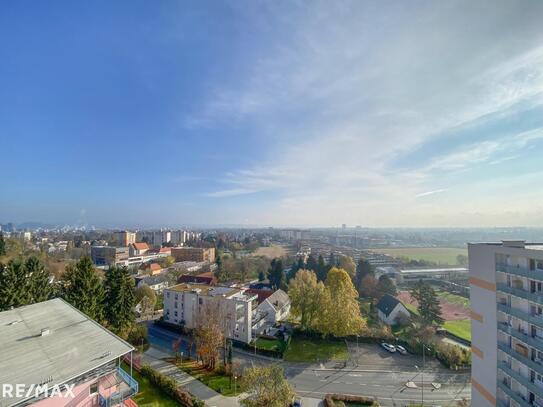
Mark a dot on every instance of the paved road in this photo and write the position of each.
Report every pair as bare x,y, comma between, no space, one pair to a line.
370,372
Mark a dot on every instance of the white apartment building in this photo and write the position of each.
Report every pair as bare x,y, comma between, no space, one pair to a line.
507,323
186,304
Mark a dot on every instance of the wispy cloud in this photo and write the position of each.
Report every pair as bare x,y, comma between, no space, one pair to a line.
436,191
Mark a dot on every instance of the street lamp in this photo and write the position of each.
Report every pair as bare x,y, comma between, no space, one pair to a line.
422,371
235,388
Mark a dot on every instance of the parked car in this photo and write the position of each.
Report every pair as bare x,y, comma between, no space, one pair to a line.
388,347
297,403
401,350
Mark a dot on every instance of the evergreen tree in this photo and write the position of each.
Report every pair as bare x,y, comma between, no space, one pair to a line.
429,307
322,269
81,286
2,245
119,299
363,269
13,284
296,266
38,284
311,264
385,285
332,260
276,274
261,276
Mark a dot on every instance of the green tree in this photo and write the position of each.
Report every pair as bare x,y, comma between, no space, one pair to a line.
341,310
363,269
2,245
385,285
38,280
119,299
462,260
429,307
147,297
306,296
266,386
276,274
81,286
322,268
297,265
347,263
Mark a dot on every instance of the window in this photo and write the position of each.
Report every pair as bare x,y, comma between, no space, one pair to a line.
168,294
175,304
176,296
200,301
175,314
93,388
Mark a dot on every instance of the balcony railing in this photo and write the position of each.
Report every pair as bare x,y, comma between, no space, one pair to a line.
521,336
524,381
535,366
521,315
520,271
538,298
127,387
515,396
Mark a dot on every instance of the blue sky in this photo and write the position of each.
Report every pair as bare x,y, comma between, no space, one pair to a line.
167,113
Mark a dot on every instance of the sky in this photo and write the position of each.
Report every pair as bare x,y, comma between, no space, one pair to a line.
303,113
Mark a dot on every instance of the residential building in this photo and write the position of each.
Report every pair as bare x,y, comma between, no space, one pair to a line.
179,237
153,268
506,286
276,307
52,344
203,278
109,255
407,276
188,304
197,254
157,283
389,309
125,238
138,249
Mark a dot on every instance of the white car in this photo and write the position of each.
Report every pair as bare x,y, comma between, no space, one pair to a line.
401,350
388,347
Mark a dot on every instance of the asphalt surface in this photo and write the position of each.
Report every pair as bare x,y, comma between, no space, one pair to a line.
371,371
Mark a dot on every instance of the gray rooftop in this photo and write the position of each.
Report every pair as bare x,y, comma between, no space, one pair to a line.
74,345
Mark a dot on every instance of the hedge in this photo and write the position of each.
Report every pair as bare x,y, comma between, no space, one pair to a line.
365,401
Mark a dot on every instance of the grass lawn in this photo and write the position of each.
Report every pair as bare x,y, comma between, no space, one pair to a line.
453,298
270,344
219,382
411,308
460,328
314,350
149,395
439,255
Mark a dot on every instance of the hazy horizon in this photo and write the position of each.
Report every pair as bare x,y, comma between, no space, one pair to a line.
379,114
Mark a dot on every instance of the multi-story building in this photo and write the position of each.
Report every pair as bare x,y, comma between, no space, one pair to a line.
179,237
125,238
506,285
189,304
197,254
109,255
57,356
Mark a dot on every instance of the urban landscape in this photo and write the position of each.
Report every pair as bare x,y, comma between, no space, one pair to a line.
271,204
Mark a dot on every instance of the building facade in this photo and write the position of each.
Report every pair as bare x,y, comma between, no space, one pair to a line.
189,304
109,255
506,285
125,238
197,254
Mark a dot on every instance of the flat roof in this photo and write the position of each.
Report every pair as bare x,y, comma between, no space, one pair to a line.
208,290
75,345
437,270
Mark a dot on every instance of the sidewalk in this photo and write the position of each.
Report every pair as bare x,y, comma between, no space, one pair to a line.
153,357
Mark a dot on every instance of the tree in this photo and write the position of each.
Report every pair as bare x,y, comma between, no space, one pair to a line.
297,265
322,269
267,387
311,264
81,286
2,245
429,307
276,274
462,260
385,285
147,297
23,283
363,269
347,263
261,276
368,287
341,309
209,334
306,296
119,299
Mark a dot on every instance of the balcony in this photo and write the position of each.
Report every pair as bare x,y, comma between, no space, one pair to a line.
532,364
116,388
537,298
521,271
523,381
521,315
515,396
521,336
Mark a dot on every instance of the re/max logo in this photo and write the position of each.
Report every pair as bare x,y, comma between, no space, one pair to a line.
20,390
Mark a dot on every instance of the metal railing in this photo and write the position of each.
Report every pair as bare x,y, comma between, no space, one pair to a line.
521,358
524,381
521,336
518,292
520,271
515,396
521,315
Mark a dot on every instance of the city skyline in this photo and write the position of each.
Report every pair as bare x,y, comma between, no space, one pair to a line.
202,113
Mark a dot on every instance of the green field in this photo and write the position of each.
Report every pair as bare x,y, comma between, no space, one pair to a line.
270,344
460,328
315,350
453,298
150,395
440,255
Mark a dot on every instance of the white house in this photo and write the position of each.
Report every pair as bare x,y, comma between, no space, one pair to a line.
157,283
276,307
389,308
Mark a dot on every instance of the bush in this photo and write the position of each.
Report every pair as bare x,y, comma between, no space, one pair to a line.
137,335
335,400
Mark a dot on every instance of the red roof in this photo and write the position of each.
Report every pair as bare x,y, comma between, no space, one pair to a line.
165,250
262,294
204,278
141,246
155,266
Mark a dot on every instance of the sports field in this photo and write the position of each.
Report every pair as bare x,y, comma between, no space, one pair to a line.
440,255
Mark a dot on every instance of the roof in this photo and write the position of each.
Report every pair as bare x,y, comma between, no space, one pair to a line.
153,280
435,270
140,246
278,299
155,266
262,294
205,289
387,304
75,345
